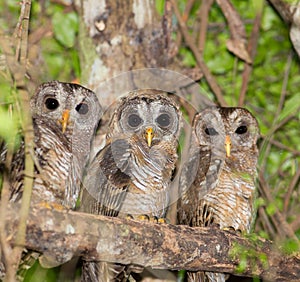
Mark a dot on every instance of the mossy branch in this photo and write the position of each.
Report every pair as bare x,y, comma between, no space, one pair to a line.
61,235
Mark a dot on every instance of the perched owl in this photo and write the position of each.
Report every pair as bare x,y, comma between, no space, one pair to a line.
64,116
217,183
131,175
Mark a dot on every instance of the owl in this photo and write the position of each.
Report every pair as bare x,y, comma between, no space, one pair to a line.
64,117
217,182
131,175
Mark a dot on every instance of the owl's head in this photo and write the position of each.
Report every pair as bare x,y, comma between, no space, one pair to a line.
226,129
149,114
67,105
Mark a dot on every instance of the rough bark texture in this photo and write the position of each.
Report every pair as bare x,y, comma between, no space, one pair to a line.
60,235
118,36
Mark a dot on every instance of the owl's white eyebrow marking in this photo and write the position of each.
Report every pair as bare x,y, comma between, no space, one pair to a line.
234,116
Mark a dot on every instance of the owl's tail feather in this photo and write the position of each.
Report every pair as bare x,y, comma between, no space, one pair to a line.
206,277
27,261
107,272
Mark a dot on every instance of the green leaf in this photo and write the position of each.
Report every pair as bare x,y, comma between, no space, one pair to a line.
37,273
290,246
187,57
160,4
65,28
8,126
259,202
243,264
258,5
290,107
271,209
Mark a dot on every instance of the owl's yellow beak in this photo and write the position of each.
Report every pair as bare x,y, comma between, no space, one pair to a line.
65,120
149,135
227,145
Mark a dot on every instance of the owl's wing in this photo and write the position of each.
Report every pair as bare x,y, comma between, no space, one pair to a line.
189,173
104,191
199,175
188,197
104,272
106,182
16,170
2,153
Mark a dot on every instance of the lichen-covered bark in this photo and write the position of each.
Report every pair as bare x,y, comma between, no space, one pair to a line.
60,235
118,36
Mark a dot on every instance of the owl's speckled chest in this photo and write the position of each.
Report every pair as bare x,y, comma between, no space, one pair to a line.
231,203
58,172
150,170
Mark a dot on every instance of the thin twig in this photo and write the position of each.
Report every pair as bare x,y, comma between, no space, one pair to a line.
265,221
282,225
270,137
27,127
279,108
188,7
290,190
17,66
251,48
284,147
167,23
287,70
295,225
185,16
204,11
191,44
5,194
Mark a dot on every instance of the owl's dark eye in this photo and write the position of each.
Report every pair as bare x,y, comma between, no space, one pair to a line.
51,104
82,108
241,129
163,120
134,120
211,131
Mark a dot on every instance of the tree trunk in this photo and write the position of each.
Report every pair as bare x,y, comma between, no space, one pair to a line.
119,36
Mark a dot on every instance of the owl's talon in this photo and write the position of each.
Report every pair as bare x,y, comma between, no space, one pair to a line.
154,219
230,228
163,220
129,216
143,217
51,205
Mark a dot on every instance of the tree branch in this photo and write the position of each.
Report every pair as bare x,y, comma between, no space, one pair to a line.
17,64
192,45
60,235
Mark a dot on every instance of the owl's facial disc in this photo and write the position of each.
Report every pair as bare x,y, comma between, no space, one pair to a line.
149,135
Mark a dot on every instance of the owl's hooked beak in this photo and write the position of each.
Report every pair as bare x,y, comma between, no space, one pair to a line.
65,120
227,145
149,135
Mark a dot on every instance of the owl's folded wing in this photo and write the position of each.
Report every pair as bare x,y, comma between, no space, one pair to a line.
106,182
